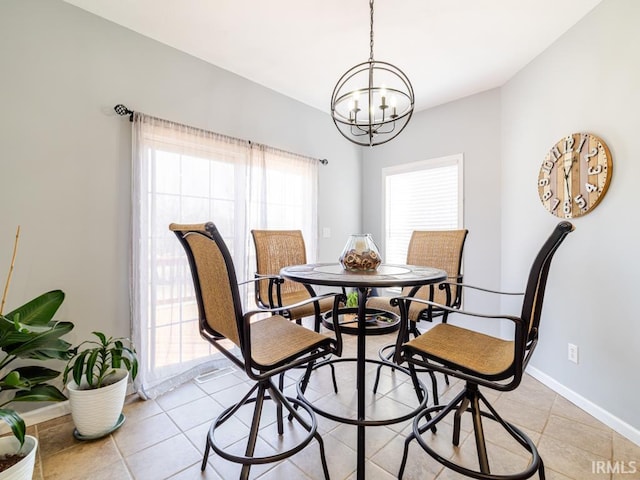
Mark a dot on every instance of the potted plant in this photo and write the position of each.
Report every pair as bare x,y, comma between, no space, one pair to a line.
100,370
27,333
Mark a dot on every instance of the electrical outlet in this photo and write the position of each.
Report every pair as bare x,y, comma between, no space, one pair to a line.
573,353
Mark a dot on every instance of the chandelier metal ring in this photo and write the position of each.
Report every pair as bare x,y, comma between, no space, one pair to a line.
373,101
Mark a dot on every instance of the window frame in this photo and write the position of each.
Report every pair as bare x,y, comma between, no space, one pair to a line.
431,163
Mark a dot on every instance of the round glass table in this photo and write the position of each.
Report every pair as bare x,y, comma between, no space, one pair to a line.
387,275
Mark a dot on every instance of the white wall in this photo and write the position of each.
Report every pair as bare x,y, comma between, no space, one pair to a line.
65,155
589,80
65,166
470,126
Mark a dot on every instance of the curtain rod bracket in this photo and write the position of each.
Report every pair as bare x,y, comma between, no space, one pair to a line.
123,110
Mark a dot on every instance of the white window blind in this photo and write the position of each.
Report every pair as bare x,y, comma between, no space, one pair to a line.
425,195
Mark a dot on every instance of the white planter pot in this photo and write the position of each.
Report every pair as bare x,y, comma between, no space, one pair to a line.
23,470
97,412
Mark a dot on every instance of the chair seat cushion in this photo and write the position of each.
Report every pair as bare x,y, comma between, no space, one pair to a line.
471,351
307,310
275,339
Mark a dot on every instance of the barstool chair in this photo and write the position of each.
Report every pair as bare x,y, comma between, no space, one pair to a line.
267,347
479,360
430,248
276,249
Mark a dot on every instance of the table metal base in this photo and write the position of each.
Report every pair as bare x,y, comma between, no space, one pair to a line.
361,422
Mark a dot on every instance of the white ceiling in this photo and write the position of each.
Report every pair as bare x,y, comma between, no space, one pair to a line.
448,48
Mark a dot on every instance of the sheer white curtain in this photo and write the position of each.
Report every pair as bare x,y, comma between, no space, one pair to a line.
187,175
283,192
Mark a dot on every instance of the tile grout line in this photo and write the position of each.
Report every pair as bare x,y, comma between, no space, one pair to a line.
122,457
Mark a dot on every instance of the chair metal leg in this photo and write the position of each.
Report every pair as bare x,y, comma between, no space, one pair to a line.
387,359
478,431
253,433
305,382
405,454
416,383
307,376
206,456
469,400
224,418
443,411
456,420
377,380
316,328
279,405
434,387
333,377
294,414
266,390
323,457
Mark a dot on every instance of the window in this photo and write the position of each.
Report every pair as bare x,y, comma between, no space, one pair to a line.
426,195
186,175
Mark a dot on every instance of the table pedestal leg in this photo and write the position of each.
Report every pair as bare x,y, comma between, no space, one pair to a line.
360,378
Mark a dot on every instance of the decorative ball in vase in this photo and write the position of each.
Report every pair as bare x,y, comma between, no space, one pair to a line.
360,254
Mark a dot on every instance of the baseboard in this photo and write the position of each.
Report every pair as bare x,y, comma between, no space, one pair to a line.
40,415
613,422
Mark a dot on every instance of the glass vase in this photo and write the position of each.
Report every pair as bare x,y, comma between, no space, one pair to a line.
360,254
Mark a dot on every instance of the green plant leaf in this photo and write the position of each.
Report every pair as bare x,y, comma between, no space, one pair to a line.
40,393
116,354
94,361
15,422
133,367
37,374
57,349
12,380
102,337
40,310
25,378
91,363
6,324
28,344
78,366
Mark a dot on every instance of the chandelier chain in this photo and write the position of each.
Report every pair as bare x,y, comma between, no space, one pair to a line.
371,32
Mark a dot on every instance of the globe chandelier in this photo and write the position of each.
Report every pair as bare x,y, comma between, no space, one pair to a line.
373,101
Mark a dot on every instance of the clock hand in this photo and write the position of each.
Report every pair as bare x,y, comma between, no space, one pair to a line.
566,182
567,172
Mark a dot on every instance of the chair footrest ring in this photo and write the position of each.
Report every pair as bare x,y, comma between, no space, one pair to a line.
250,460
534,466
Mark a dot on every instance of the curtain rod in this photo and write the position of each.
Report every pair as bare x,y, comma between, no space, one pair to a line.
122,110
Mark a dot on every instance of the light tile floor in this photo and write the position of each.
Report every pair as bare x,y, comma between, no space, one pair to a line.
165,438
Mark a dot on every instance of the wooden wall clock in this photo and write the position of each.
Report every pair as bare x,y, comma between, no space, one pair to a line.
575,175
